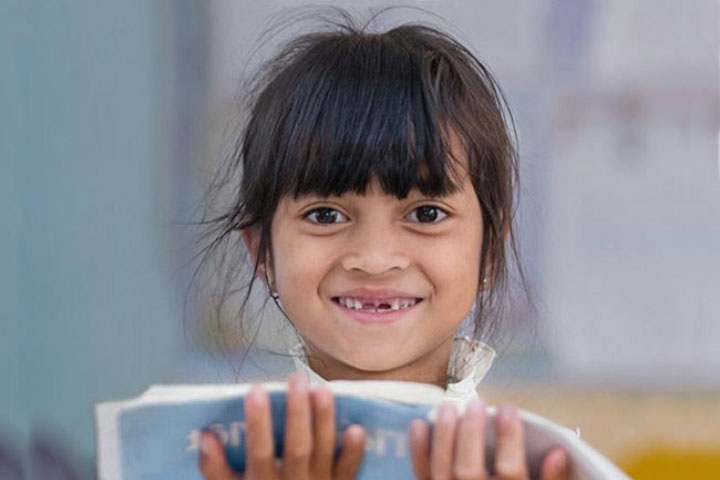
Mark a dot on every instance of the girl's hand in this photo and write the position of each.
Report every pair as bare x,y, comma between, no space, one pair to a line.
309,440
455,447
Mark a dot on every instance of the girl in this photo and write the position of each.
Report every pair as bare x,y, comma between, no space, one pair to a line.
376,196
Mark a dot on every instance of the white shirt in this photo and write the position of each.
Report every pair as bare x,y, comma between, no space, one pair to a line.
470,360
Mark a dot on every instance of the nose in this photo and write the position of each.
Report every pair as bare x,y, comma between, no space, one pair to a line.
376,248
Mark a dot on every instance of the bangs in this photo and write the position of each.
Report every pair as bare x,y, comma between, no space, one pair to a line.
361,107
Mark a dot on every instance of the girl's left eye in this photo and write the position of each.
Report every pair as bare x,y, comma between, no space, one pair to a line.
324,215
429,214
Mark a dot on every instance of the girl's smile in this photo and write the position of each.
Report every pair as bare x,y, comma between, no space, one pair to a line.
376,306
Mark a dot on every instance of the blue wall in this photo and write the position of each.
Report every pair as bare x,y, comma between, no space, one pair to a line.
90,308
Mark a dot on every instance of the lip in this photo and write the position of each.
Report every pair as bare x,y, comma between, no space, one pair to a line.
374,318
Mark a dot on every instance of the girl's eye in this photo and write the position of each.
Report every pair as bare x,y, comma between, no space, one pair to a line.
423,214
325,216
429,214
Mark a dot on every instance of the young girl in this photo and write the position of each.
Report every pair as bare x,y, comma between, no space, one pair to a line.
376,200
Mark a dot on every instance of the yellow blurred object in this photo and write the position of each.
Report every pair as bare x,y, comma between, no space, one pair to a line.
649,434
673,464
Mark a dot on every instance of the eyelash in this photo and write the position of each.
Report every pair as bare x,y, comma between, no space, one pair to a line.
435,207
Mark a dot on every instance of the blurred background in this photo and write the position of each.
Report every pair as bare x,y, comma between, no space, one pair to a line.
114,115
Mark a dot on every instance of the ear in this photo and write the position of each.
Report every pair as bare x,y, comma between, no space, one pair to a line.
251,237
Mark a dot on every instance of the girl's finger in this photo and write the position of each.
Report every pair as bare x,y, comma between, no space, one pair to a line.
323,432
298,429
259,453
212,461
352,453
510,451
443,442
420,448
469,455
555,465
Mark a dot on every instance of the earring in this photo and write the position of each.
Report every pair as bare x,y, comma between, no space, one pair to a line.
484,280
273,292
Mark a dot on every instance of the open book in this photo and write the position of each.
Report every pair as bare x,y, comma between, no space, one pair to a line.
156,435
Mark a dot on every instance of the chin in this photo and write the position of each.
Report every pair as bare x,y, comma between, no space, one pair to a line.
376,360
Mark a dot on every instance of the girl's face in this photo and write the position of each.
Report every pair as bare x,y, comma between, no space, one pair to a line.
420,247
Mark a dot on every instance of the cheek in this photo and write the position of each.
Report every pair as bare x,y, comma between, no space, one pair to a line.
455,273
300,268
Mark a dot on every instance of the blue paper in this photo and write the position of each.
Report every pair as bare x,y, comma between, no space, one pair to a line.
162,441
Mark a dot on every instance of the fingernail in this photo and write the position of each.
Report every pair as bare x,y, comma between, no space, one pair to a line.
355,431
475,406
447,412
563,463
322,397
256,396
508,414
298,383
417,427
204,444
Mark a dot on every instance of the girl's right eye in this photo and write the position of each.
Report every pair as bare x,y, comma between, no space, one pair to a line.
325,216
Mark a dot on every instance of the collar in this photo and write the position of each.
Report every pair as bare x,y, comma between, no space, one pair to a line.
470,360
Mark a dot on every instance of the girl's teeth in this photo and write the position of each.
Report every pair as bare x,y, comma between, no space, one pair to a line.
392,305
